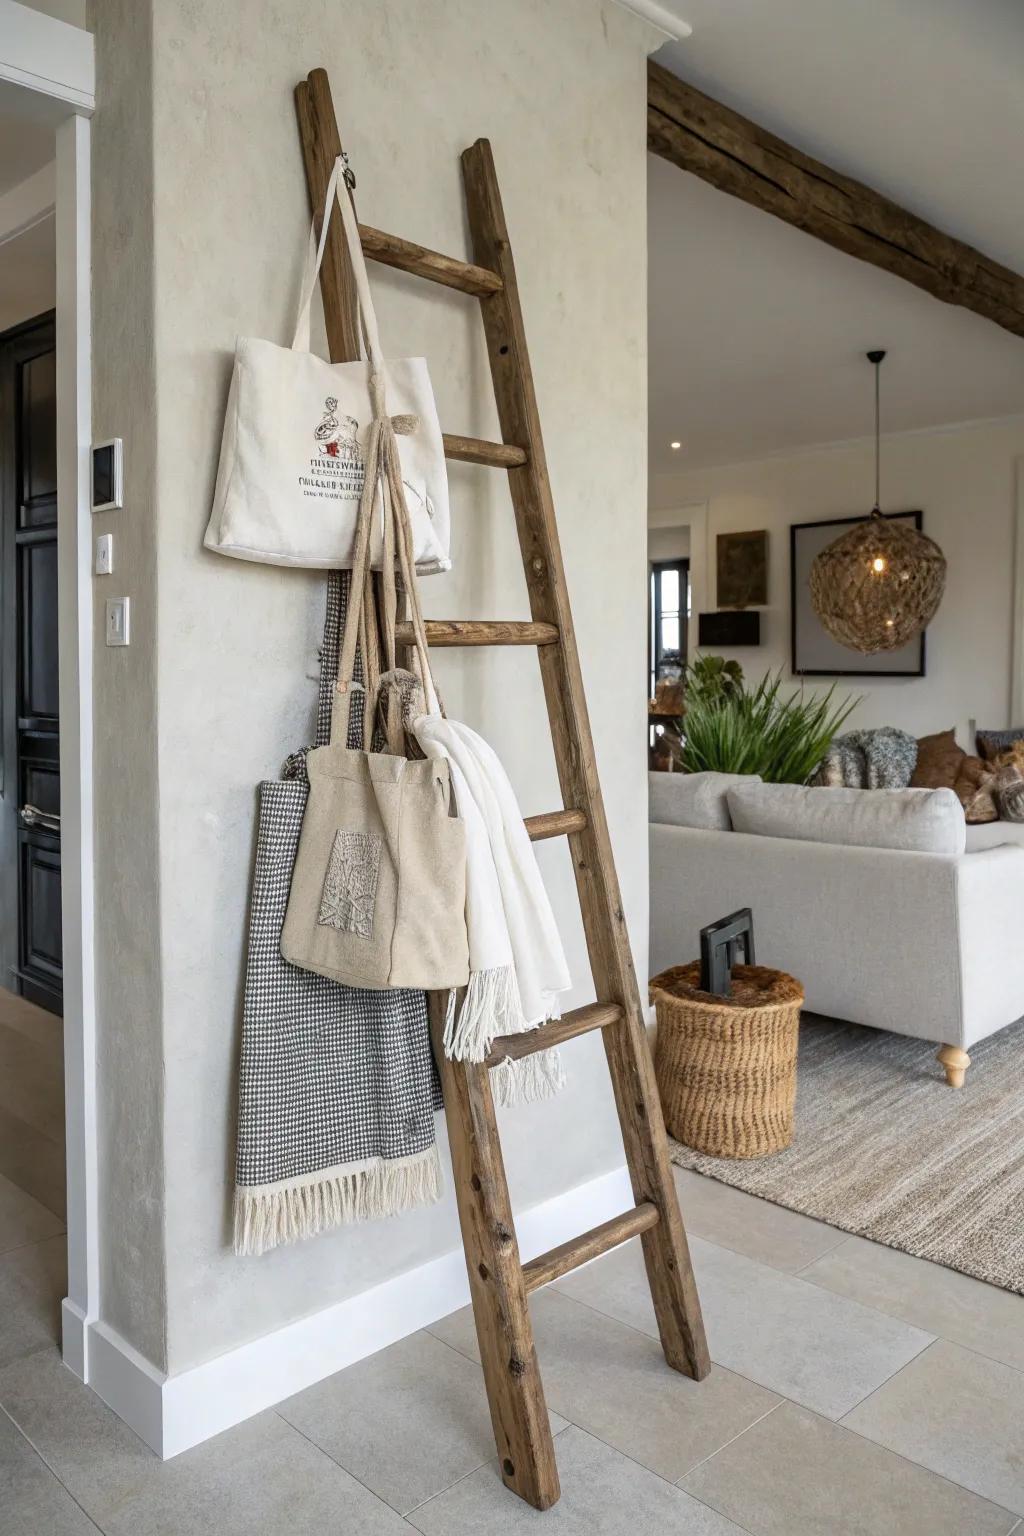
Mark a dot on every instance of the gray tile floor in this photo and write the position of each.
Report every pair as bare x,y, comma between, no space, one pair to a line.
856,1392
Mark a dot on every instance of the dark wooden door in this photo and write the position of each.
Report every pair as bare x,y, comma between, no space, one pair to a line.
30,907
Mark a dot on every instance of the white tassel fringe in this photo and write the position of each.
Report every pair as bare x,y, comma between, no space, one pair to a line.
490,1007
529,1080
266,1218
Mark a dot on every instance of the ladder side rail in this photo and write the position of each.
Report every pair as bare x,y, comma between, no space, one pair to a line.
497,1283
669,1270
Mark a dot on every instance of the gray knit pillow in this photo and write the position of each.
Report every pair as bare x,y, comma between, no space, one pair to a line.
991,743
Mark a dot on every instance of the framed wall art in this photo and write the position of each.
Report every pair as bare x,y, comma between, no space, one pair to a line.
813,651
742,569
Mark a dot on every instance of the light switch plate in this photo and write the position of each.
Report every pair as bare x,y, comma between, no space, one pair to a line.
104,554
118,620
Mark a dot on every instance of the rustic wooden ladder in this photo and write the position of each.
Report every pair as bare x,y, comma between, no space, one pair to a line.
499,1282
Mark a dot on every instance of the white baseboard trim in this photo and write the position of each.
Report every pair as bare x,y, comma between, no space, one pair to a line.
74,1338
173,1413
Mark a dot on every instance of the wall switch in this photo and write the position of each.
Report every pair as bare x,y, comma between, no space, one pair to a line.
118,620
104,554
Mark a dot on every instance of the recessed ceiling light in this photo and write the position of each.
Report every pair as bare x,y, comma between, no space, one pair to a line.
675,445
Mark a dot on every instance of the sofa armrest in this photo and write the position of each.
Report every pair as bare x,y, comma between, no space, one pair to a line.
990,915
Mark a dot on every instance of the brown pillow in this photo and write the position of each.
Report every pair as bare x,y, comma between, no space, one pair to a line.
939,760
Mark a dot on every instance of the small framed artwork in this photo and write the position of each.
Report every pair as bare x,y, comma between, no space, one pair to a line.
742,569
814,653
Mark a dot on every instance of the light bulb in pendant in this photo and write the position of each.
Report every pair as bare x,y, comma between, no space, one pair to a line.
879,564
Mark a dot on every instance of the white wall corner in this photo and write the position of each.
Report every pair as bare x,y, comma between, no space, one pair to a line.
660,16
173,1413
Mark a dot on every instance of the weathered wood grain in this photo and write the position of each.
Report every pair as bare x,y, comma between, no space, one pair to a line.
590,1245
734,154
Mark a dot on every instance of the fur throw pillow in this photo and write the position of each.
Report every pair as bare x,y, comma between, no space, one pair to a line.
878,759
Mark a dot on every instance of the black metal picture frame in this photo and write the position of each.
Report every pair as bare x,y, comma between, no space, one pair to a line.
878,668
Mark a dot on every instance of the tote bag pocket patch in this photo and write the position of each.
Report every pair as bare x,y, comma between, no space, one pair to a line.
350,885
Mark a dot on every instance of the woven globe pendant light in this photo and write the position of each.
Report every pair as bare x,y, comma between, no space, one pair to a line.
879,585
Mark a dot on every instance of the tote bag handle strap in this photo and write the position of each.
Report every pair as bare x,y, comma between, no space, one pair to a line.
384,474
338,191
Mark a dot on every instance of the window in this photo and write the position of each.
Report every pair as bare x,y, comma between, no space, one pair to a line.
669,612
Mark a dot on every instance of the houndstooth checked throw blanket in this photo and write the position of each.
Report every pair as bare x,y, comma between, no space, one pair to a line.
337,1087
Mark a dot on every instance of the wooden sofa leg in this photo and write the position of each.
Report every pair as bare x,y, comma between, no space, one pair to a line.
955,1061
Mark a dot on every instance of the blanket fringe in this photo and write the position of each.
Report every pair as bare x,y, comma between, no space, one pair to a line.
529,1080
265,1219
491,1007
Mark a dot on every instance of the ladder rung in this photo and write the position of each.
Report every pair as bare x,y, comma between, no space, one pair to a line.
580,1021
480,632
555,824
580,1250
476,450
392,251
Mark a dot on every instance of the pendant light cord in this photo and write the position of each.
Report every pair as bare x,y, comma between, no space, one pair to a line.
878,440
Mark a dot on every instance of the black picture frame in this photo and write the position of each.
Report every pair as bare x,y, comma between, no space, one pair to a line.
878,669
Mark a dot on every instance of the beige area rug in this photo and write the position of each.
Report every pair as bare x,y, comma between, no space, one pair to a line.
884,1149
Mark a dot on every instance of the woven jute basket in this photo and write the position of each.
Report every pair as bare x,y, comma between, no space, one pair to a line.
726,1066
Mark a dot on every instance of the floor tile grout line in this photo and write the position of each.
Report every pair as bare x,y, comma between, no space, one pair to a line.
35,1242
669,1482
938,1337
845,1237
732,1441
52,1470
347,1470
490,1461
935,1339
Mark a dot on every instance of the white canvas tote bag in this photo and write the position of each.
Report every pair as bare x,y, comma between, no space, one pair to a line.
291,463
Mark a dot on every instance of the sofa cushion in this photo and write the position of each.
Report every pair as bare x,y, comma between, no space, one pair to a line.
993,834
911,820
939,760
992,743
694,799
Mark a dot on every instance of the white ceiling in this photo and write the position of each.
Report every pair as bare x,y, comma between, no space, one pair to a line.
757,331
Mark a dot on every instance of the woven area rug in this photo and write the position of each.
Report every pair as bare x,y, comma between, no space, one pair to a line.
884,1149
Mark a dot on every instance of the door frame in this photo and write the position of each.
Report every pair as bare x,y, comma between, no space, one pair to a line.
47,69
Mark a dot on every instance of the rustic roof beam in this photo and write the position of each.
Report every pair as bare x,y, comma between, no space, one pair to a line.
730,152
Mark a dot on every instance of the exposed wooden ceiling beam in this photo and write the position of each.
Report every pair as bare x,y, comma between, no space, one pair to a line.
735,155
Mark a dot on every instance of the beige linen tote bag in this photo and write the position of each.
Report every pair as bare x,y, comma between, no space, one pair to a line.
293,453
378,894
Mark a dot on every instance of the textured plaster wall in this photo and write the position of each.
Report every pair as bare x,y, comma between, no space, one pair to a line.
128,961
560,91
962,479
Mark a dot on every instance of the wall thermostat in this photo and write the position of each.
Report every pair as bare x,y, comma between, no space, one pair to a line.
107,475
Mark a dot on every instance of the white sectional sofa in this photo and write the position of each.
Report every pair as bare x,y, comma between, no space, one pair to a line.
889,909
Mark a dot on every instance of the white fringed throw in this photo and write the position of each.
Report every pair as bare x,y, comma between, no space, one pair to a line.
517,965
